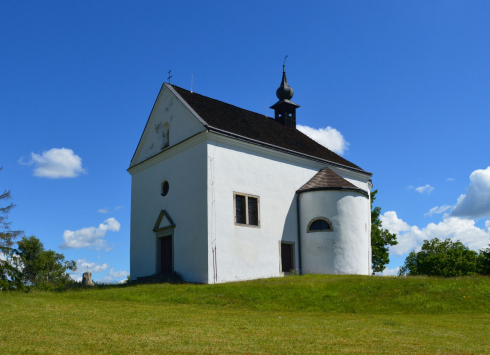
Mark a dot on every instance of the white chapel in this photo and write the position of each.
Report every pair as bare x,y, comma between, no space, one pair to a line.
220,193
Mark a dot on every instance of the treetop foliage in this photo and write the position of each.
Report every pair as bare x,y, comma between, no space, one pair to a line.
10,275
447,259
30,264
381,239
43,268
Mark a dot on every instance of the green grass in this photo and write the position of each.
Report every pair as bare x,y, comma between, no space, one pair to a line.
290,315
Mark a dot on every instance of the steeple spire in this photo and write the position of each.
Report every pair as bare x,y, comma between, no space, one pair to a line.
285,109
284,92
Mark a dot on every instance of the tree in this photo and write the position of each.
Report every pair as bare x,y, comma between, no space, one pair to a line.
43,268
483,263
381,239
10,275
441,258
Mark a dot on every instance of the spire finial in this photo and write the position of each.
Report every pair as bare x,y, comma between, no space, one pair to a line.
285,92
169,76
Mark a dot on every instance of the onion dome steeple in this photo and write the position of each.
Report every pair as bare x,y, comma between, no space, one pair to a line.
284,92
285,109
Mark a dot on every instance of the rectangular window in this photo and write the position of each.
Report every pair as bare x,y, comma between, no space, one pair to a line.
241,216
247,211
253,211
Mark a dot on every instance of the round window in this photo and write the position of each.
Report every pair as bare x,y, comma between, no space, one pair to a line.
164,188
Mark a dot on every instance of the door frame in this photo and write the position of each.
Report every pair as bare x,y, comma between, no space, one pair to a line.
293,256
158,249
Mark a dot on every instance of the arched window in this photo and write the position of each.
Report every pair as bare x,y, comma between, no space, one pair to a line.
165,188
166,135
320,225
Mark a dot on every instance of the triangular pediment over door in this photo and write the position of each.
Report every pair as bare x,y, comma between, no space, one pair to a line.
164,222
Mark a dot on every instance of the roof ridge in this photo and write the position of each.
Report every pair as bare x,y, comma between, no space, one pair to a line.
252,125
226,103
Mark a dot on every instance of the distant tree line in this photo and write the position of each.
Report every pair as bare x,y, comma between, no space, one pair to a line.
30,264
446,258
436,257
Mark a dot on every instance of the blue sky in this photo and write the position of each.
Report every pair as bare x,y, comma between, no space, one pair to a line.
402,85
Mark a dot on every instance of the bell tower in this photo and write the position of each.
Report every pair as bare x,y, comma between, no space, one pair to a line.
285,109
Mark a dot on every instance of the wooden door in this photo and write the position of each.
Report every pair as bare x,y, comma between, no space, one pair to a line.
287,257
166,255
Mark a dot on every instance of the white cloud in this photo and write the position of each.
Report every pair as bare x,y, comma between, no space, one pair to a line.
105,280
391,222
56,163
83,265
113,276
117,274
450,179
103,210
91,237
411,237
14,260
437,210
76,277
389,272
118,208
476,202
328,137
423,189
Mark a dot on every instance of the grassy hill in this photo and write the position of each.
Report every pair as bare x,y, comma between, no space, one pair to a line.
307,314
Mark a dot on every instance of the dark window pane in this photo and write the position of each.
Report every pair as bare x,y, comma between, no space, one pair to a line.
253,211
240,209
319,225
315,226
165,188
325,225
286,257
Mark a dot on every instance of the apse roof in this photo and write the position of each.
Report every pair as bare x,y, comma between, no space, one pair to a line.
259,128
326,179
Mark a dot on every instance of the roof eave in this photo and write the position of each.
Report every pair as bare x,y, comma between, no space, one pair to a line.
284,102
350,189
275,147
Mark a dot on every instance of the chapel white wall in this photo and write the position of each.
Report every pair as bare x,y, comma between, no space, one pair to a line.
346,249
168,110
186,203
244,253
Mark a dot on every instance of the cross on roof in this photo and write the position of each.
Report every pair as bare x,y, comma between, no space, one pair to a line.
169,76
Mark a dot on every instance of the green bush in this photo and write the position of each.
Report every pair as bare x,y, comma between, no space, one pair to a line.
45,269
446,258
483,265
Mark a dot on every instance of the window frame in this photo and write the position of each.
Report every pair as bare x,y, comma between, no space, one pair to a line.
235,194
308,230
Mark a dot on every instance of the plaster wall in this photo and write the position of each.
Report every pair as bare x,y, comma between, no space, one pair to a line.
237,252
168,114
186,203
346,249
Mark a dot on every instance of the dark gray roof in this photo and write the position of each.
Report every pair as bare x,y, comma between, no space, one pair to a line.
248,124
326,179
